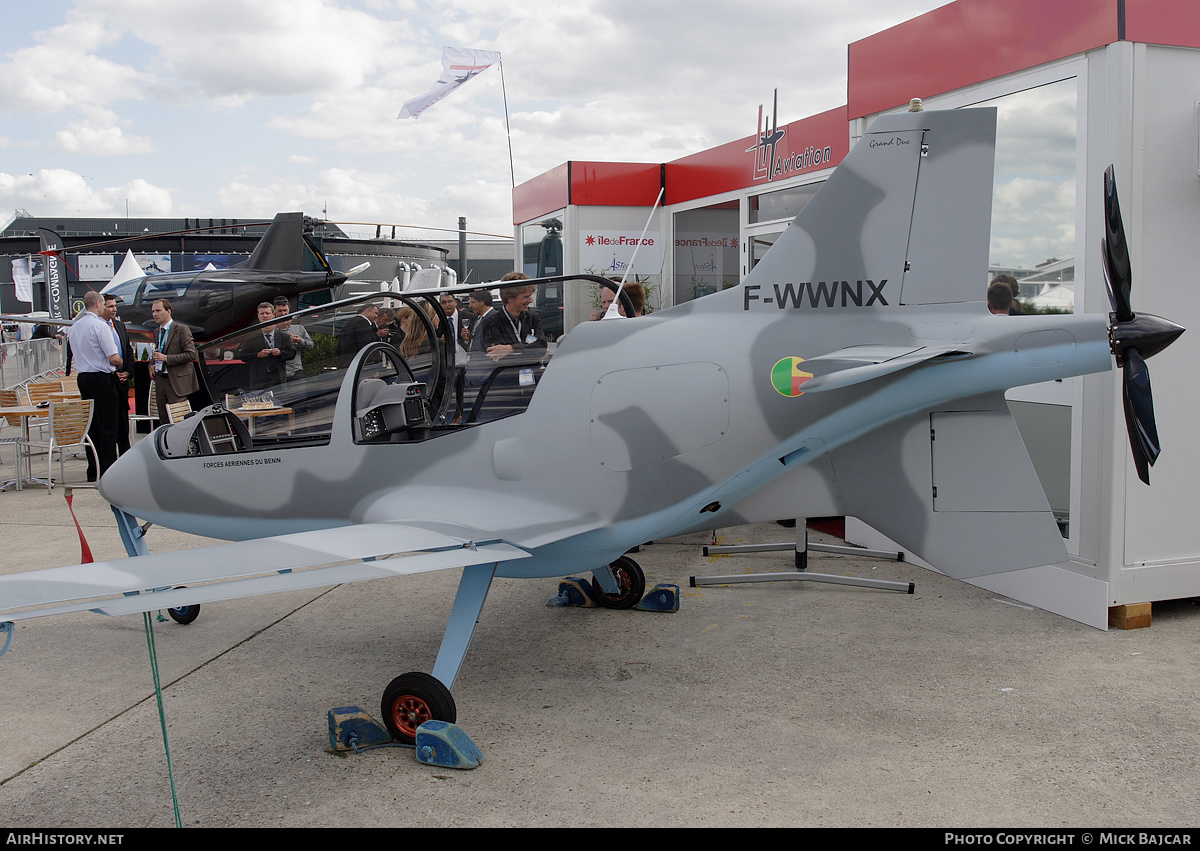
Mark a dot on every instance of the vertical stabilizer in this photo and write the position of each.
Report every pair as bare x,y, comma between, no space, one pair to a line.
282,247
952,214
904,219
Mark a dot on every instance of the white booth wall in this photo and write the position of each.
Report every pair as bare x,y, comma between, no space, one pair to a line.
1136,109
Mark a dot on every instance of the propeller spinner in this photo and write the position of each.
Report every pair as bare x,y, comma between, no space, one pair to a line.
1133,337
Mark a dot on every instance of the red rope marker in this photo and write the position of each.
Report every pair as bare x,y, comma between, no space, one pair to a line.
85,556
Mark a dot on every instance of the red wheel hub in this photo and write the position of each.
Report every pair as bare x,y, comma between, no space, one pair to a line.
409,713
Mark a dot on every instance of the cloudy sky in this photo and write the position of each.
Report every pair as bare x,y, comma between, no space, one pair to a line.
243,108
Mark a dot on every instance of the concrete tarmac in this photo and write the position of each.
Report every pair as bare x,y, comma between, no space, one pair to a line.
782,704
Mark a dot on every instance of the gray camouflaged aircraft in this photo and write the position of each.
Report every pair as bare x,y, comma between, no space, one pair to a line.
813,388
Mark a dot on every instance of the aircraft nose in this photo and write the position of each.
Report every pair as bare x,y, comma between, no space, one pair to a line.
126,484
1148,333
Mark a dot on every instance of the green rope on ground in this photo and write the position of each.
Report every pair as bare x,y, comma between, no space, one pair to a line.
162,715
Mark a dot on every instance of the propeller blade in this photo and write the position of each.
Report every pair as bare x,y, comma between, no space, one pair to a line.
1118,273
1139,414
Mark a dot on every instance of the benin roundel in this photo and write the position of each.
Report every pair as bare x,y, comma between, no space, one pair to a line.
787,377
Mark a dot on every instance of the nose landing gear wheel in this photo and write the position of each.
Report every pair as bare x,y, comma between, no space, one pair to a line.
184,614
631,585
412,699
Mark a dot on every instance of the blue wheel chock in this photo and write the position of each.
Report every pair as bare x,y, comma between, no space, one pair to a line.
446,745
574,591
350,728
660,598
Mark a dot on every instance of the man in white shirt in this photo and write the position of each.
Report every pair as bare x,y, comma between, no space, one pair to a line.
97,359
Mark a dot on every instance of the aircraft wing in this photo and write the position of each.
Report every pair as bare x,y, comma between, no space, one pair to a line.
245,569
856,364
35,320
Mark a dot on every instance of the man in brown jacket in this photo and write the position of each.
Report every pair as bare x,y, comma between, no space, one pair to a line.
174,359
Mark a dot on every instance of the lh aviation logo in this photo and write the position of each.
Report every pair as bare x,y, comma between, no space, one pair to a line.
787,377
772,159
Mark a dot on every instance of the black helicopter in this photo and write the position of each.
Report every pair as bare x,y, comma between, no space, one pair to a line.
215,301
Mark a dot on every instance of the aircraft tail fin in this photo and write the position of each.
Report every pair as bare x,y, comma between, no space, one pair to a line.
281,248
956,487
904,219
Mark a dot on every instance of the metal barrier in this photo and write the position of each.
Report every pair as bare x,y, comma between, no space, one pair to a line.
21,361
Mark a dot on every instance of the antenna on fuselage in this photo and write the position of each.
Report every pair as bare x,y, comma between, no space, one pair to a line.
613,310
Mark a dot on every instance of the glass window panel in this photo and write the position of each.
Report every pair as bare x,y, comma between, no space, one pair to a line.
781,204
1033,199
706,250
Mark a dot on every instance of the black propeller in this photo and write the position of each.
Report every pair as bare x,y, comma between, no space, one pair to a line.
1133,337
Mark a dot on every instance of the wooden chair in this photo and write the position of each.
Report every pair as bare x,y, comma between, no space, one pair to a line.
38,392
12,399
68,426
151,415
178,411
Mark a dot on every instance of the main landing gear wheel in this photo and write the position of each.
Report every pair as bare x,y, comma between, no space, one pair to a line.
184,614
631,585
412,699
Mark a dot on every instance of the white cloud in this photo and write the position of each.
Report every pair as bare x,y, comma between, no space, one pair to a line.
349,195
237,49
62,72
7,142
1032,221
99,134
141,197
354,196
60,191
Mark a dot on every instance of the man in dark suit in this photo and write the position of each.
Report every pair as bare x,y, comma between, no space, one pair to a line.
479,367
386,318
122,336
267,350
174,359
459,324
358,332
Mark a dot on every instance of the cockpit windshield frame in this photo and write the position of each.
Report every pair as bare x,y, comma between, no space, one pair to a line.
298,410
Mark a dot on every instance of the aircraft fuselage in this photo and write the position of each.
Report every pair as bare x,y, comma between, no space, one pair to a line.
643,428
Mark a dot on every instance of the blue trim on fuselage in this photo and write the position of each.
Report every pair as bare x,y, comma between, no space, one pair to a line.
924,387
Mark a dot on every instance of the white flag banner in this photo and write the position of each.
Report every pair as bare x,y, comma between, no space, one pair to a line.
459,64
22,280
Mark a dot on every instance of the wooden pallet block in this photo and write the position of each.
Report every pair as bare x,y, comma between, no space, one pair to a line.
1131,616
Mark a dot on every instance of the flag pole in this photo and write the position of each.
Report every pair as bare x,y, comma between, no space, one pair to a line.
507,129
614,308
